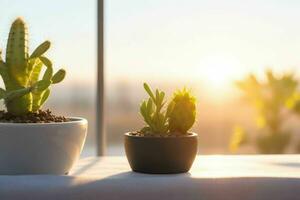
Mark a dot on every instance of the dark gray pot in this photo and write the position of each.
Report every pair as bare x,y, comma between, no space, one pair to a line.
161,155
37,148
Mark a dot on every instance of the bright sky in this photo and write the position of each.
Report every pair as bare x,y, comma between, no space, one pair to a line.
213,41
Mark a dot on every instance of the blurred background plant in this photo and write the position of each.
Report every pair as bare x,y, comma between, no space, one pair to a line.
294,105
272,100
238,138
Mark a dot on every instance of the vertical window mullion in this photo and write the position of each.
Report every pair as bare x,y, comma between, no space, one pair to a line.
100,131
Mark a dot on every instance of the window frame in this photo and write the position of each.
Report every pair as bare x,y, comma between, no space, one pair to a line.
100,128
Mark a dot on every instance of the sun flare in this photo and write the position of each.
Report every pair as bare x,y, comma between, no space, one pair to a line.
218,73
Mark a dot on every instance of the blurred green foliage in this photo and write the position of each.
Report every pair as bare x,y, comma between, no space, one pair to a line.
271,99
238,137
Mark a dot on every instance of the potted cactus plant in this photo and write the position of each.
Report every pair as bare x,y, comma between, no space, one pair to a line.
33,141
165,144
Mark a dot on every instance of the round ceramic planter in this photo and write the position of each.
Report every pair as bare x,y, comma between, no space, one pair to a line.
161,155
41,148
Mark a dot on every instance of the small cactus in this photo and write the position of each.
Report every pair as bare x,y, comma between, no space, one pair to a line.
178,117
152,112
183,114
24,92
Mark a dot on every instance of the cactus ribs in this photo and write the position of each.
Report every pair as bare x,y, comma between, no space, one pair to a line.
37,117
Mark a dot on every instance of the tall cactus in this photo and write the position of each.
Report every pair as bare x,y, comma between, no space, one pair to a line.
24,92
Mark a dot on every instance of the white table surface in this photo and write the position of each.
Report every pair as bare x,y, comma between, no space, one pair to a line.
211,177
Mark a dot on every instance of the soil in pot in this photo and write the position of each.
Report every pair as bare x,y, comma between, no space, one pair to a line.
149,134
161,154
38,117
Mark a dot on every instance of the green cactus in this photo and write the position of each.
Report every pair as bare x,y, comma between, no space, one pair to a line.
152,112
178,117
183,114
24,92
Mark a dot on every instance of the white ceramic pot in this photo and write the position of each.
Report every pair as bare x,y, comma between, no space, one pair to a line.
41,148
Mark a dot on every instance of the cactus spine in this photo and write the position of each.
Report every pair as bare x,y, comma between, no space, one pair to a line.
24,92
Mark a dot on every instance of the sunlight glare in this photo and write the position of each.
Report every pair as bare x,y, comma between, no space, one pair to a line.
219,72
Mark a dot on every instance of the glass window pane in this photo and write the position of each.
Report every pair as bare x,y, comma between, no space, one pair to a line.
205,45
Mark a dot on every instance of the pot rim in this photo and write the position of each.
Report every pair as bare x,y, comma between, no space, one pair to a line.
74,120
191,134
